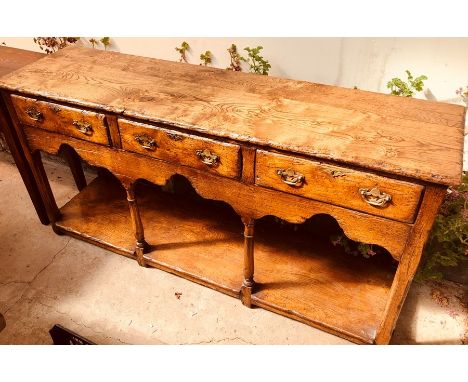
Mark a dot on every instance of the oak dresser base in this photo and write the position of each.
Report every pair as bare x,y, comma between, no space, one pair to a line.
255,147
296,275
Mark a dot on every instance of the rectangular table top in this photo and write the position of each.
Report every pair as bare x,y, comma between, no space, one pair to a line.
403,136
12,59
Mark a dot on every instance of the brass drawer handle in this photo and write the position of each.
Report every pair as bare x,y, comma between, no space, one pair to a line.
375,197
83,127
208,157
34,114
146,142
291,177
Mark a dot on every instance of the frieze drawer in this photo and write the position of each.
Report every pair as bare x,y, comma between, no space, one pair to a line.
172,146
77,123
366,192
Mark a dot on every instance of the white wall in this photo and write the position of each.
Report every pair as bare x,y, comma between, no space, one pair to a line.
368,63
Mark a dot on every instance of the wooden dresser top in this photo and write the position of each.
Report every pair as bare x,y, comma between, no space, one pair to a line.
12,59
408,137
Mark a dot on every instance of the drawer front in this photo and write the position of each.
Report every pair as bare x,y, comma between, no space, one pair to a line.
197,152
61,119
345,187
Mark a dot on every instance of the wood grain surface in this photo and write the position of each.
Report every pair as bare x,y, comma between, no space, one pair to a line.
433,198
63,119
283,148
12,59
338,185
338,293
180,148
413,138
247,200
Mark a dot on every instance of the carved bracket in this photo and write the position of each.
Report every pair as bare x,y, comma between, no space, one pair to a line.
247,201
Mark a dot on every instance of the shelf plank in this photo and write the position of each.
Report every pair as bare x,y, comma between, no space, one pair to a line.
99,214
308,279
185,237
297,274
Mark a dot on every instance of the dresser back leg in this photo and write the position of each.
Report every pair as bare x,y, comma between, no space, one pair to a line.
433,198
248,281
44,186
74,162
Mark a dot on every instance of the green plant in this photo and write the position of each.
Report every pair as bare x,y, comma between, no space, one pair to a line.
406,89
105,41
206,58
447,245
93,42
184,47
236,59
257,64
352,247
53,44
462,92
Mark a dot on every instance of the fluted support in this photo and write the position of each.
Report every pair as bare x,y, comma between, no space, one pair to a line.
137,225
248,281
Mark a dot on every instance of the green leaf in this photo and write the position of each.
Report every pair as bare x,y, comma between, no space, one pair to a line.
257,64
105,41
406,89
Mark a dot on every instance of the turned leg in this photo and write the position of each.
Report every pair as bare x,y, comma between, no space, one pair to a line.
137,225
248,281
74,162
433,198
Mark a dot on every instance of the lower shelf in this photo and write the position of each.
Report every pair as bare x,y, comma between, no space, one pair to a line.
298,275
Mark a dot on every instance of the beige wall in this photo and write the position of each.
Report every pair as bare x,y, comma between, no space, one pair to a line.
367,63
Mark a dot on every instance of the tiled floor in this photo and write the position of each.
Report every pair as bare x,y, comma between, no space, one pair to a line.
47,279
